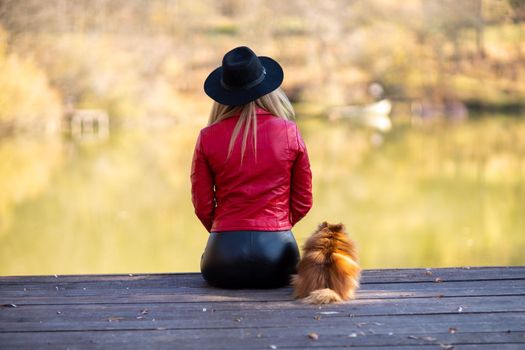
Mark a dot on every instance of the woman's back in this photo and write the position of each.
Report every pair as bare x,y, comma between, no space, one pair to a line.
257,193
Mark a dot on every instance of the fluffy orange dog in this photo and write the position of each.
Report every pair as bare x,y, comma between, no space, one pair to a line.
328,271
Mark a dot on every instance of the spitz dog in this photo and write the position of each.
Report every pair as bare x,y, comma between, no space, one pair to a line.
328,271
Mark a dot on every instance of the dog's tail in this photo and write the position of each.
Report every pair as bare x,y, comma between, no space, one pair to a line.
322,296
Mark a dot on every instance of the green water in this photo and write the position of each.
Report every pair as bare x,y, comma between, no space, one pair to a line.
435,194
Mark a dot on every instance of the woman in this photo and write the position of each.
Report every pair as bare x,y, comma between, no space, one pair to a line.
250,176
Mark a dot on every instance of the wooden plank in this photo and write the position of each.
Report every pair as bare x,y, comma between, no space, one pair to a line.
194,283
356,307
78,294
74,314
253,339
369,276
427,347
109,319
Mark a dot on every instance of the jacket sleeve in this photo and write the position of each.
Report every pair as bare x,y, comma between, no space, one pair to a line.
202,183
301,182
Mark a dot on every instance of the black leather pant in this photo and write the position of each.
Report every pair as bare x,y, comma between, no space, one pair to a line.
250,259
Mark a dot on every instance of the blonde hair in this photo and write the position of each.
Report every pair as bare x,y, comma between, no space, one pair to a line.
275,102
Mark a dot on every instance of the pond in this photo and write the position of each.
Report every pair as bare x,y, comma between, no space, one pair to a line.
423,195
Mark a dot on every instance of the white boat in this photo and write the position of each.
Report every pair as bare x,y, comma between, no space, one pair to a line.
374,115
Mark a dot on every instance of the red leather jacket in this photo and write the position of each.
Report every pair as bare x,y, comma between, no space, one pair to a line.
270,193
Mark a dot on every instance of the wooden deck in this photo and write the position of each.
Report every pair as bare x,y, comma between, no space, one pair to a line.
453,308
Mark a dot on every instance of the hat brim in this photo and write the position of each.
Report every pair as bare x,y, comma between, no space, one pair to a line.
273,79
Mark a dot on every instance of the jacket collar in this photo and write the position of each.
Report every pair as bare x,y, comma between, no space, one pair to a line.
258,111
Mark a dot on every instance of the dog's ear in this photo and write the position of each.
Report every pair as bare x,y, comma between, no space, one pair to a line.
323,225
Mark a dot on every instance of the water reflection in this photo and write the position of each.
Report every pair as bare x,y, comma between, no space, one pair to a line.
431,195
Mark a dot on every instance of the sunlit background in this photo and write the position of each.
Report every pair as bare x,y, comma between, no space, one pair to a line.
412,112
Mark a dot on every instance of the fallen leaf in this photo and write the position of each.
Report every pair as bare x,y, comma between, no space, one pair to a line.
452,330
238,319
460,309
313,336
9,305
412,337
438,280
317,317
58,312
428,338
439,296
446,346
428,273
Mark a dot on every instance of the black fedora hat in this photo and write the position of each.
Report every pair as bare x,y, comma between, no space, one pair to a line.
243,77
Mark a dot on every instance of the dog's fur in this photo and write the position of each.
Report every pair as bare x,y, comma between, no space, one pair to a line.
328,271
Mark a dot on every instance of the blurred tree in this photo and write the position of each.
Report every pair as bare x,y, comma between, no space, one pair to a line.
27,102
518,17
